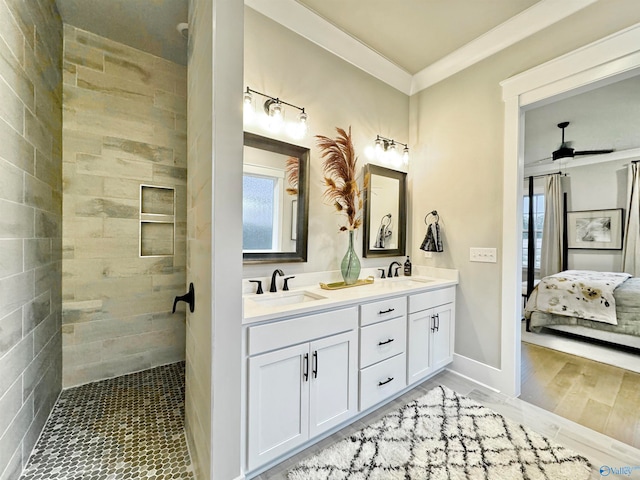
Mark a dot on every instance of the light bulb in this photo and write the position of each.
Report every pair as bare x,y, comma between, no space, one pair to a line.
248,106
379,148
405,156
302,121
276,119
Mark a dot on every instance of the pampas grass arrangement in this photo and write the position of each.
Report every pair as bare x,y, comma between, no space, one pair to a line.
339,169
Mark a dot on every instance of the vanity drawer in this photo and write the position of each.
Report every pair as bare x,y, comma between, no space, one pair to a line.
378,382
382,340
434,298
382,310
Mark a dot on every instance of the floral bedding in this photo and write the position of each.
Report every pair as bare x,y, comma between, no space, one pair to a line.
578,293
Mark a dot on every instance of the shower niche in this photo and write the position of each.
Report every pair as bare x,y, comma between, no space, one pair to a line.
157,221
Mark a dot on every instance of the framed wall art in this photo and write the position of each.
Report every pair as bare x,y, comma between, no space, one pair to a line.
595,229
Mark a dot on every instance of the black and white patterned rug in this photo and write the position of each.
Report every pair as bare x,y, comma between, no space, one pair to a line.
443,435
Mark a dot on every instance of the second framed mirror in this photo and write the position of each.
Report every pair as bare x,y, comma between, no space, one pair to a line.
385,212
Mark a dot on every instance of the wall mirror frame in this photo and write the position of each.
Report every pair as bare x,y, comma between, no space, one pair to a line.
299,208
385,215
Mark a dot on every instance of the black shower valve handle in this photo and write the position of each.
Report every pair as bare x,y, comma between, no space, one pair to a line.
189,297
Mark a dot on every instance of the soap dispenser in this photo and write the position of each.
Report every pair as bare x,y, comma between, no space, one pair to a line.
407,268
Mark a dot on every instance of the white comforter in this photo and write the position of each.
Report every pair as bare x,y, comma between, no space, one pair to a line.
578,293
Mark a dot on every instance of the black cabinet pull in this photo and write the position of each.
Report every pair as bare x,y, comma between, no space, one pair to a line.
315,364
437,322
382,312
385,382
305,372
433,323
384,343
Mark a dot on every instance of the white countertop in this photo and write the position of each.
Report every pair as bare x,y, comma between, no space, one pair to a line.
270,306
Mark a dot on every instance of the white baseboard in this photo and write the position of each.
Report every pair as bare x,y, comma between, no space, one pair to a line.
478,372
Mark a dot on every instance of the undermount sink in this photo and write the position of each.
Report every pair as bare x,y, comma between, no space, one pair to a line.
285,298
404,282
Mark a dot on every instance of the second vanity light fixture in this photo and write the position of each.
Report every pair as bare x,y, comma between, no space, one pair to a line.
386,149
274,114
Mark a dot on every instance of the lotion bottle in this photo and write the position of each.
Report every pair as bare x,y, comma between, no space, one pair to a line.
407,268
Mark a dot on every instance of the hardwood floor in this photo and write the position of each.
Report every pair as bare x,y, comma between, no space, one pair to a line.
598,448
601,397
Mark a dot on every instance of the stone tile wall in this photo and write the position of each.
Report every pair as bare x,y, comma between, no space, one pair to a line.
124,125
30,224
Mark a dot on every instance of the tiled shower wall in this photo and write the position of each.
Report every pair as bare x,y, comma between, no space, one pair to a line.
30,224
124,124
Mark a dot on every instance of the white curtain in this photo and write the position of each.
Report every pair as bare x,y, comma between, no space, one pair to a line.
631,239
552,230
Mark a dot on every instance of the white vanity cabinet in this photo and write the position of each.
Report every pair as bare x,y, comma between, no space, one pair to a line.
430,338
302,381
383,327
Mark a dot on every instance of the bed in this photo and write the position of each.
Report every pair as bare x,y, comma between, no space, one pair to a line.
624,309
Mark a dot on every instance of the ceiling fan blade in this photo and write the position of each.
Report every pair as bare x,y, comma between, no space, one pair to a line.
563,152
592,152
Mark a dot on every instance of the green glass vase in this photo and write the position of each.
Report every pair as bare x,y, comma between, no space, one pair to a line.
350,266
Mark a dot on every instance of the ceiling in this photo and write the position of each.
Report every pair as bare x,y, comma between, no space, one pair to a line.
409,44
413,34
148,25
603,118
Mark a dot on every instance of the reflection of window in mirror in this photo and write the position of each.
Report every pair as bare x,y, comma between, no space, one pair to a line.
262,222
267,197
275,200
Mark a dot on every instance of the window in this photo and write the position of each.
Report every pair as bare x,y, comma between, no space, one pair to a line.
262,192
538,221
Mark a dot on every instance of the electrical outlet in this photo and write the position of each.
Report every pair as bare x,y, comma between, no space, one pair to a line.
486,255
428,254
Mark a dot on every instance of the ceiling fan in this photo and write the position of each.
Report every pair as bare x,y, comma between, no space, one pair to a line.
565,150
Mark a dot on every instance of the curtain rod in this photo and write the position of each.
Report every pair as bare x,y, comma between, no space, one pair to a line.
547,174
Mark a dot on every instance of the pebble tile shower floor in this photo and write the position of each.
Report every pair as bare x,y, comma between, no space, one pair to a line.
129,427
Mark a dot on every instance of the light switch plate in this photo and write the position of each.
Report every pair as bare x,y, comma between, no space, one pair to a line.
487,255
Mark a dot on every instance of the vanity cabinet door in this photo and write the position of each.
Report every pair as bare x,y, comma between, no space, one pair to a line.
278,403
419,344
443,336
333,387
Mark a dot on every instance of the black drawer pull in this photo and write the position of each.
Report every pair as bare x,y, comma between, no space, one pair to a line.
385,382
305,372
315,364
382,312
384,343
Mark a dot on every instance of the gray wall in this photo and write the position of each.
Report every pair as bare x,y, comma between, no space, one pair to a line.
30,224
124,125
457,133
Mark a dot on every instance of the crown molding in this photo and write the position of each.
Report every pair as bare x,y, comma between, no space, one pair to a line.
530,21
314,28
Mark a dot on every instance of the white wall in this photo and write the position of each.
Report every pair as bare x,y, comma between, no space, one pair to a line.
214,237
334,93
596,187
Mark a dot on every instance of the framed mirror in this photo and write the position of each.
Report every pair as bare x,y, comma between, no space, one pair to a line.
385,212
275,200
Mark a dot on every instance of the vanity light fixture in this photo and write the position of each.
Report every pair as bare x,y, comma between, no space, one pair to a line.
387,149
274,110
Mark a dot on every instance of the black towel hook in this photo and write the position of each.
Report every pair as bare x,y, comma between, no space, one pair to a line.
432,212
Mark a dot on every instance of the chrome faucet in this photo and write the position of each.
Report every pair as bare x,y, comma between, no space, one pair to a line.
277,271
390,272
